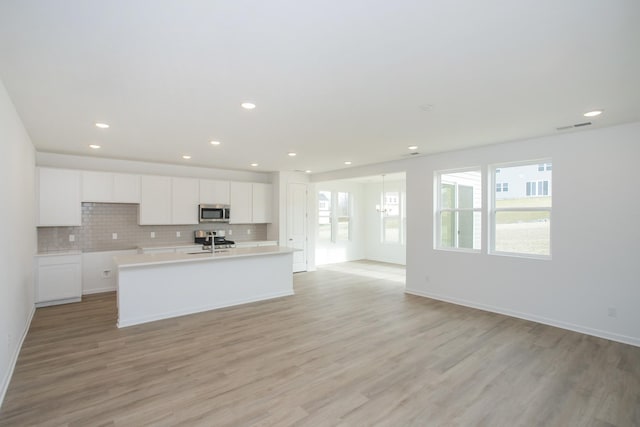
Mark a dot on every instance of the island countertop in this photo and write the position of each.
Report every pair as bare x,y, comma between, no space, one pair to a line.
137,260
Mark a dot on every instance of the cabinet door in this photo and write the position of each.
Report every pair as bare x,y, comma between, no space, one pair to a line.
59,278
155,200
97,186
214,192
185,200
262,203
240,199
59,197
126,188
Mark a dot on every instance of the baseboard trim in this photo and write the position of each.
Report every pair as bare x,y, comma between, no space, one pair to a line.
526,316
98,290
14,359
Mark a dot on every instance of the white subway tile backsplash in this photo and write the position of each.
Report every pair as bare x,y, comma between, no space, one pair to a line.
102,221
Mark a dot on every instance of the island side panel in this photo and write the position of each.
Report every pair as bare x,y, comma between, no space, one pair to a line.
154,292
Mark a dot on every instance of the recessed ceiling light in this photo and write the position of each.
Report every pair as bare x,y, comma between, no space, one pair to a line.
254,164
248,105
347,162
291,154
307,171
593,113
412,147
102,125
186,157
94,146
214,142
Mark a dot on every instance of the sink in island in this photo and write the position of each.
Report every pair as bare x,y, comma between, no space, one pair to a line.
163,285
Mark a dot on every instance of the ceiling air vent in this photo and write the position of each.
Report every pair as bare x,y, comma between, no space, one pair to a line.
577,125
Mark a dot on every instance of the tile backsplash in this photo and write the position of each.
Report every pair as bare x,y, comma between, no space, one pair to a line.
101,220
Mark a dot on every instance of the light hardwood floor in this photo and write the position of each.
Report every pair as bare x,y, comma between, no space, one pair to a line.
348,349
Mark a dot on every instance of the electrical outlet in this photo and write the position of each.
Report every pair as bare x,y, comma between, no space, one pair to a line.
106,274
114,236
248,231
177,234
229,232
613,312
153,234
427,279
72,238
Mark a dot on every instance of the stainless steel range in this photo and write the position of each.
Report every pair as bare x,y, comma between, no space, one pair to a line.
206,238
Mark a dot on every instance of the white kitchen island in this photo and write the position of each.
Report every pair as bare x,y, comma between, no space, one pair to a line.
163,285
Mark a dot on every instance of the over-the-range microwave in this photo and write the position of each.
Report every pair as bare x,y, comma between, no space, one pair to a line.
214,213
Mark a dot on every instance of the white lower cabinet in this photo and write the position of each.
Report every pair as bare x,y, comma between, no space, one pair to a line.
58,279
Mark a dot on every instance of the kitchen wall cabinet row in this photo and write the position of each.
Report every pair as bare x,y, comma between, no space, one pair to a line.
163,200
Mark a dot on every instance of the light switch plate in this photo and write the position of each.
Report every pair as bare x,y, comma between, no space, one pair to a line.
114,236
153,234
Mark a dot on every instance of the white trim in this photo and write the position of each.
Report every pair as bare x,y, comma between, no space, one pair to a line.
14,359
99,290
635,341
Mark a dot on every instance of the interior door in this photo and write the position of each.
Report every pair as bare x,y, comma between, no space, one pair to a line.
297,224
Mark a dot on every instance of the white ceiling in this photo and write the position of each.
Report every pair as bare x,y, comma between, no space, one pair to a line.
332,80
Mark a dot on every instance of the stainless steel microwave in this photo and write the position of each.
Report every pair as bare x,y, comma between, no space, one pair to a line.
214,213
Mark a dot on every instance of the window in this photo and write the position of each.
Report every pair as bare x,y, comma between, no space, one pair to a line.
391,223
334,216
537,188
344,217
324,216
502,186
521,219
459,204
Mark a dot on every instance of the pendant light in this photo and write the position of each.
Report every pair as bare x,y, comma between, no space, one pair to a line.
383,209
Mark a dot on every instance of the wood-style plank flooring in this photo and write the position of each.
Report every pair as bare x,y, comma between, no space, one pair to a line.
349,349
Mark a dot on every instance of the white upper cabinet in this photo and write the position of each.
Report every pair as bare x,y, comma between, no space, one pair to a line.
262,205
126,188
241,203
107,187
214,192
155,200
59,197
185,194
165,200
251,203
97,186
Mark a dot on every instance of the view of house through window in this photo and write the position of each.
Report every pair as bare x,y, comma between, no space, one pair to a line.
459,207
521,220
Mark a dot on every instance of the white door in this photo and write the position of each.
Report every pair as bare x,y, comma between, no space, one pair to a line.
297,224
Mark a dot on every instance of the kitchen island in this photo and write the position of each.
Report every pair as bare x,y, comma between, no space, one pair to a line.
162,285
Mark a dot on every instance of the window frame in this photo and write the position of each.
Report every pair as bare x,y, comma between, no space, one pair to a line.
400,217
438,210
493,209
335,217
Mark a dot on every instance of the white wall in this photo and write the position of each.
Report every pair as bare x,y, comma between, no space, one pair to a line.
341,251
130,166
595,237
18,243
374,248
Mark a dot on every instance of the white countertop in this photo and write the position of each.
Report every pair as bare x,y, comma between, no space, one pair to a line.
170,246
59,253
138,260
